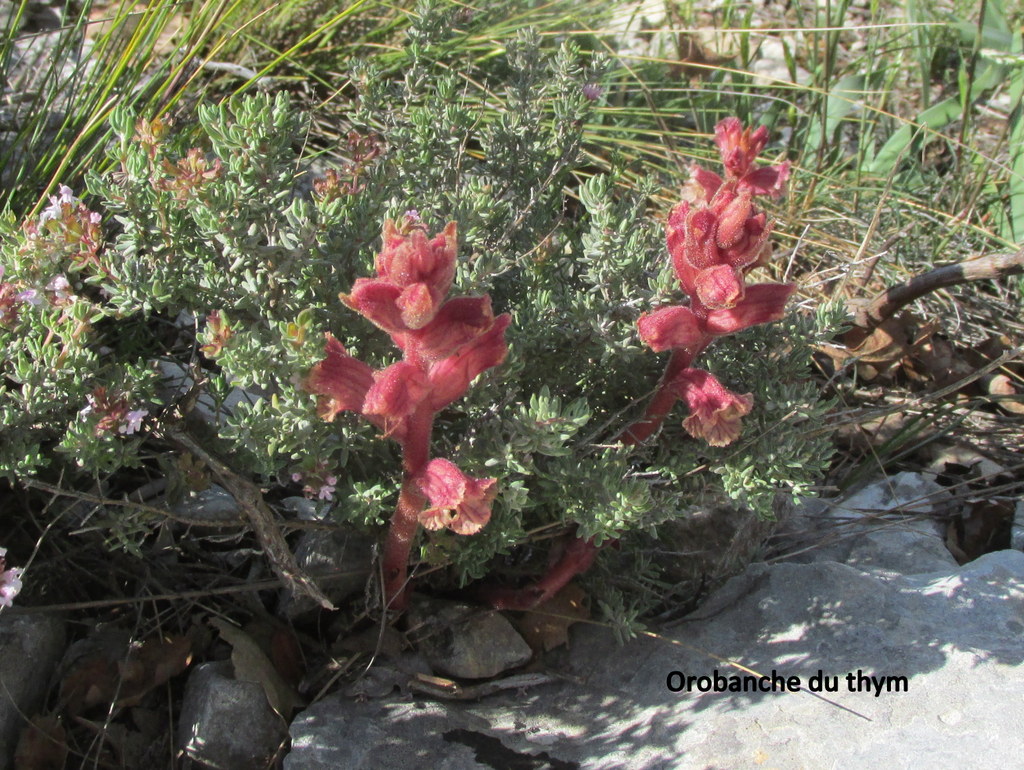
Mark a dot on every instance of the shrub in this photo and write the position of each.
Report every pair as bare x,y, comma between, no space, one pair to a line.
219,261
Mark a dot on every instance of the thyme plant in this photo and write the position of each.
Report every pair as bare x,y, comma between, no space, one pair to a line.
206,251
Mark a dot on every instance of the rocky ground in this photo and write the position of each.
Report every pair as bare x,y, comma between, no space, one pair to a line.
869,635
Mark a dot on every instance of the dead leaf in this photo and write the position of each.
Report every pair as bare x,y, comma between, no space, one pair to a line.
42,745
151,665
1001,385
109,672
280,644
546,626
252,665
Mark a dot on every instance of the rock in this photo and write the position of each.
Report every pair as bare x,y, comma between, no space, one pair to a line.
928,659
211,504
345,555
340,733
30,646
176,380
466,642
887,526
227,723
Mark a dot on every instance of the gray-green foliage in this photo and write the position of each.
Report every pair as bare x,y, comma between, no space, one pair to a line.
228,228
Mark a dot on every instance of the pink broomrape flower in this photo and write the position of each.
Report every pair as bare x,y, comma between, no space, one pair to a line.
446,344
677,327
457,501
340,380
715,411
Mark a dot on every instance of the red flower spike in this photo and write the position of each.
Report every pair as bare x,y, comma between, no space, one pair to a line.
670,327
739,147
457,501
340,380
458,322
450,377
762,303
424,270
719,287
395,394
715,411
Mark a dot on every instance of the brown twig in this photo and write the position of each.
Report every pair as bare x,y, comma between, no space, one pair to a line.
250,500
869,314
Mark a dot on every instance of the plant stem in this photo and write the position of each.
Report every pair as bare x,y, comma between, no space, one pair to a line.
579,554
405,520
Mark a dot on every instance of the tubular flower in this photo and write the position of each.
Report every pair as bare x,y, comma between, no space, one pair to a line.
395,394
342,381
715,411
457,501
450,378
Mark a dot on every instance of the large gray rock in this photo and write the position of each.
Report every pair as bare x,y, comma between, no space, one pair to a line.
30,646
924,655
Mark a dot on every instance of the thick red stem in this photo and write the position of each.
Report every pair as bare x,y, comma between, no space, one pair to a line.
577,557
405,520
579,554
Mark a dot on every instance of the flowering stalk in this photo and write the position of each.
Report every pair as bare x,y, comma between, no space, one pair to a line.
715,237
446,343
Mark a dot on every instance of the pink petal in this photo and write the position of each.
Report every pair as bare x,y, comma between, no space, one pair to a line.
767,180
699,248
450,490
747,248
715,411
703,182
340,380
418,305
443,483
475,511
719,287
450,377
408,259
459,321
670,327
734,209
377,301
395,394
762,303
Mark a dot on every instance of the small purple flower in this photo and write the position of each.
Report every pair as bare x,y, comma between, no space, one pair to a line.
55,210
10,581
61,288
326,492
31,296
592,91
132,421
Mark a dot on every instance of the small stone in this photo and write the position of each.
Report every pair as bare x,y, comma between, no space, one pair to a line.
345,555
30,646
227,723
211,504
466,642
